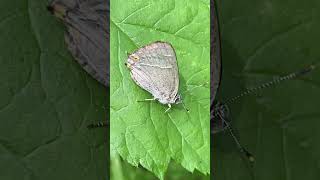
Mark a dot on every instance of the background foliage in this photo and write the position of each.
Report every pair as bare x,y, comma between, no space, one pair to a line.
46,101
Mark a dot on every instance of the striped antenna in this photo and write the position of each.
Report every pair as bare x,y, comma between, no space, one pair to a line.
272,83
222,109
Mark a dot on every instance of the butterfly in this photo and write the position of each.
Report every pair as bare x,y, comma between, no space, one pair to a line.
154,68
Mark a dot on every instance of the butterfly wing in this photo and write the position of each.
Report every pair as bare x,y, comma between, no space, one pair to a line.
216,58
216,122
155,70
87,35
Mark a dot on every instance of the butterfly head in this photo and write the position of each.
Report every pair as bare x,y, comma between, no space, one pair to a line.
220,114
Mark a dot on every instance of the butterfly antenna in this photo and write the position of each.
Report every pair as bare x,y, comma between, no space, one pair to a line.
240,147
189,90
272,83
184,106
195,86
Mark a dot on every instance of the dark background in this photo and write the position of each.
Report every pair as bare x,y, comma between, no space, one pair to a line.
262,40
46,101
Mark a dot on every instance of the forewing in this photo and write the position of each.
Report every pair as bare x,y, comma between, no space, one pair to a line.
87,35
157,70
216,123
215,57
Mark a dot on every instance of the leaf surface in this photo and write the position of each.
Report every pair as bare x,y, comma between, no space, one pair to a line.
141,133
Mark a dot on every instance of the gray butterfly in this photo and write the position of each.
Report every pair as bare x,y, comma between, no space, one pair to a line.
87,34
154,68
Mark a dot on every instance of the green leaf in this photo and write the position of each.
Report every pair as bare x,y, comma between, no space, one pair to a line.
122,170
279,126
46,101
141,133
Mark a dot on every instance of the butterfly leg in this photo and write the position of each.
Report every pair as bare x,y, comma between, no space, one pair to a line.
98,125
168,108
152,99
241,148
